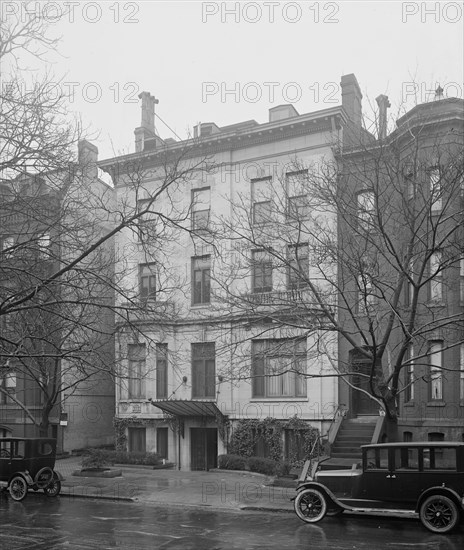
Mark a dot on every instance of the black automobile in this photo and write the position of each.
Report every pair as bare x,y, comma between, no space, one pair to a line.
28,463
403,478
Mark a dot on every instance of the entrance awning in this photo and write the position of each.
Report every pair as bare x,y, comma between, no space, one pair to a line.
182,407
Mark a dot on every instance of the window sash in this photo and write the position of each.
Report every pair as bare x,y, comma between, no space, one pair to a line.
136,374
262,212
272,357
298,207
435,188
147,282
409,376
201,280
203,370
298,269
161,371
436,281
365,208
262,271
436,374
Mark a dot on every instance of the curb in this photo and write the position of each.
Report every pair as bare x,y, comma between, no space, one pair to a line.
247,508
99,497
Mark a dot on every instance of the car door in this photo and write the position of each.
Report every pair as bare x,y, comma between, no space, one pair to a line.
409,478
378,481
5,459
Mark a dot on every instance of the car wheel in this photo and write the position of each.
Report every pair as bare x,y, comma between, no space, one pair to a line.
310,505
54,488
43,477
18,488
439,514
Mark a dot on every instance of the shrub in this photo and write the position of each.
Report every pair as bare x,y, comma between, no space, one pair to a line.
231,462
97,458
283,468
94,458
263,465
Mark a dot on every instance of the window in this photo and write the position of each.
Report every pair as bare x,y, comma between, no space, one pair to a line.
436,277
406,459
410,180
365,209
261,271
203,370
136,355
201,205
161,371
409,375
461,278
278,368
298,204
461,377
260,196
436,374
435,188
298,266
377,459
147,282
366,296
8,383
43,245
298,208
409,288
137,440
146,221
201,279
162,442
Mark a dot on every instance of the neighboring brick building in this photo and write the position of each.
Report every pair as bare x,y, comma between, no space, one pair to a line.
38,233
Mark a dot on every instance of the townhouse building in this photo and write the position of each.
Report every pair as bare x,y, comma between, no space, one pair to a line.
405,273
218,331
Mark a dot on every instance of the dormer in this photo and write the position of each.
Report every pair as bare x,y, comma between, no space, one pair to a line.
204,129
282,112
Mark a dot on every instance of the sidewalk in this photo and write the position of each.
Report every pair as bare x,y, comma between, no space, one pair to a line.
215,489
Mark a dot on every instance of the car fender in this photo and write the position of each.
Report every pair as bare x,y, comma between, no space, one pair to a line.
323,489
58,475
440,490
24,475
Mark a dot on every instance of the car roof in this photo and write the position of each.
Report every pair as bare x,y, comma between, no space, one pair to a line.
27,439
401,444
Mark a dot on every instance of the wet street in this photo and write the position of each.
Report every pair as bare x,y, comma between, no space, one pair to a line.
66,523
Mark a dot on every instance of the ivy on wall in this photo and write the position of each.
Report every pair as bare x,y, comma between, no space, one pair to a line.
248,433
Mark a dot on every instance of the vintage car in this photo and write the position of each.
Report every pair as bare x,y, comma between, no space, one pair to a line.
28,463
404,478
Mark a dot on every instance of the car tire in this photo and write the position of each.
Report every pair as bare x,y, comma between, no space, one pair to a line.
43,477
18,488
310,505
54,487
439,514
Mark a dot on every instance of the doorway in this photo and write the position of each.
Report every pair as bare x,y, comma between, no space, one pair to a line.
203,448
362,403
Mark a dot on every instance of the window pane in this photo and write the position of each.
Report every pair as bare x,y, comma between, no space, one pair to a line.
436,374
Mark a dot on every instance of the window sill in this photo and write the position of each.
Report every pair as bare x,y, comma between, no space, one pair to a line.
437,403
278,399
200,306
409,404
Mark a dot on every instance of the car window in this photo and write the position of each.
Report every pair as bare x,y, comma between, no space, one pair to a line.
406,459
439,458
377,459
4,449
19,449
45,449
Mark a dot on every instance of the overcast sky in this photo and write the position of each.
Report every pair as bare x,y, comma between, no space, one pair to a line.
205,62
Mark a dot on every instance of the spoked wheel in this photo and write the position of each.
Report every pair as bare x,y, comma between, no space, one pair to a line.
439,514
18,488
44,477
53,488
310,505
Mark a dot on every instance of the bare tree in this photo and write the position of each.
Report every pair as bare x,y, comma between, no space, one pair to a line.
368,248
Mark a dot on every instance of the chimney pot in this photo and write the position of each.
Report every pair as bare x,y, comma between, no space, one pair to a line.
384,104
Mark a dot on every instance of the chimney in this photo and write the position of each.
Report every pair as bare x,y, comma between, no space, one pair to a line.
384,104
87,155
351,98
146,130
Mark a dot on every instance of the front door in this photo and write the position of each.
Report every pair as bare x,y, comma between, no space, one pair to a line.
362,403
203,448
